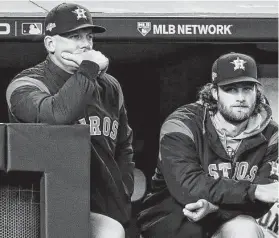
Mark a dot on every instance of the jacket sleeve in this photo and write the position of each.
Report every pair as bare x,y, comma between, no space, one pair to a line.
29,103
186,180
264,175
124,149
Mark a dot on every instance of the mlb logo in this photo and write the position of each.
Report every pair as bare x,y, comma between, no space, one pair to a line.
144,27
31,28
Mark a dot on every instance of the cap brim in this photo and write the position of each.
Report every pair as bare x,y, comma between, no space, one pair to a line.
237,80
95,28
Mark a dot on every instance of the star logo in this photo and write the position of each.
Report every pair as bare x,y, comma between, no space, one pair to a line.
80,13
238,64
50,26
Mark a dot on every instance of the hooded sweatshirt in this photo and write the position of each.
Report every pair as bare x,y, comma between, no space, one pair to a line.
254,125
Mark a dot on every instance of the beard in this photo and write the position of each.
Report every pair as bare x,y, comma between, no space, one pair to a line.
236,113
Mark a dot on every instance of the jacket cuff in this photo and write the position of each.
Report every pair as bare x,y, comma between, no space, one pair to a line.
89,69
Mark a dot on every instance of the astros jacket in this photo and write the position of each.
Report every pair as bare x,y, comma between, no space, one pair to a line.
47,94
193,164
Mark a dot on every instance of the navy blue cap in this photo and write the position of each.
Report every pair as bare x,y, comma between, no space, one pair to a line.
233,68
67,17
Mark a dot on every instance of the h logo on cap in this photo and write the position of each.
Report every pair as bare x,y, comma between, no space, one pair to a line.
80,13
244,69
238,64
68,17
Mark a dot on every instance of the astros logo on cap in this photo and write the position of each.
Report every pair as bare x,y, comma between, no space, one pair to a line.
238,64
80,13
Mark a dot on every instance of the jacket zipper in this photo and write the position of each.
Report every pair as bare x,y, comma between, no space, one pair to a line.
235,160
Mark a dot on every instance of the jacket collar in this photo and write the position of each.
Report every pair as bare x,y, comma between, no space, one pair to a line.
213,137
55,73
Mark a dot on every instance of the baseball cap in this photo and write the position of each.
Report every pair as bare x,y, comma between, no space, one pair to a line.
67,17
233,68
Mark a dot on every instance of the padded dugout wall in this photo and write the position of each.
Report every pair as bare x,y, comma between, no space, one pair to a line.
56,159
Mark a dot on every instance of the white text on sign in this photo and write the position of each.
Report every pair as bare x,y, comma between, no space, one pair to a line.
170,29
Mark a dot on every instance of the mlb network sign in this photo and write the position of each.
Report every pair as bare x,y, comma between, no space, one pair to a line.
180,29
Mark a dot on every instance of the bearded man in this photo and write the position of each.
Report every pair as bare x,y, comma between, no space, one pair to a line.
213,177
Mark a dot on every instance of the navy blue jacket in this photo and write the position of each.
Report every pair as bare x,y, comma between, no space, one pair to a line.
193,164
47,94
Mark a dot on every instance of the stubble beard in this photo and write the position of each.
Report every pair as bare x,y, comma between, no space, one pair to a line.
235,115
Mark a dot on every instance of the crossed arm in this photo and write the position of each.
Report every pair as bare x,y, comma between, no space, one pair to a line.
190,185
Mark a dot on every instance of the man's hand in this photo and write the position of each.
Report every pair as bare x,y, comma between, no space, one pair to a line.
198,210
91,55
267,193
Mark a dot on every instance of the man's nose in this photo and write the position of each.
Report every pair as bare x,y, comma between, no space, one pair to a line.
85,43
240,96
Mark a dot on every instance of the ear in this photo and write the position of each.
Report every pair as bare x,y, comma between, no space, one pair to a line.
214,92
50,43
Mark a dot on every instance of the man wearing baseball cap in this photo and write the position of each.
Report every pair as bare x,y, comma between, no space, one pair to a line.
71,86
214,175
